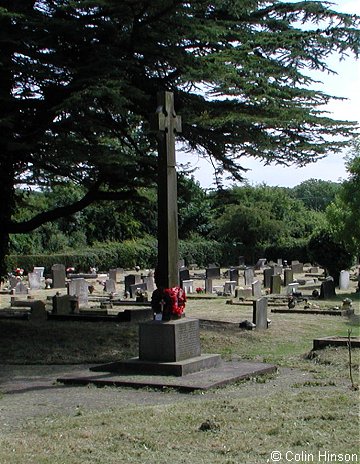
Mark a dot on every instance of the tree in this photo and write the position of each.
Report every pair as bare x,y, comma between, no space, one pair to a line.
328,252
316,194
343,213
79,79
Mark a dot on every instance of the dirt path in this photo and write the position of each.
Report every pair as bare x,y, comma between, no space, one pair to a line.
32,392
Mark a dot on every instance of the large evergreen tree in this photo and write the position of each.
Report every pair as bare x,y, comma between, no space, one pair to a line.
79,78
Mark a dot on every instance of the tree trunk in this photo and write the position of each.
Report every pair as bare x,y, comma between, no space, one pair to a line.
6,207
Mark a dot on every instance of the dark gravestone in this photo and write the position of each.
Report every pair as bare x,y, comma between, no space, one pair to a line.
234,275
327,289
131,279
260,313
288,277
58,276
241,260
212,273
297,268
267,277
184,274
275,284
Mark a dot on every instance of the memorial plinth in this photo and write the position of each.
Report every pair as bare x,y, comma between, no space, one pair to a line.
166,348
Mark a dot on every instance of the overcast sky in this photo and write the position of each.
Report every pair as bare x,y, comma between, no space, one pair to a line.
332,168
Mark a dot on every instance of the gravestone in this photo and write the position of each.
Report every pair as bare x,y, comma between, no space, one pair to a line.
131,279
188,286
13,282
256,289
292,288
138,286
327,289
241,260
34,280
260,313
234,275
344,280
229,287
275,284
79,288
21,289
243,293
249,276
39,270
277,270
65,304
110,286
150,282
115,274
184,274
279,262
208,286
260,263
212,273
267,277
314,270
58,275
38,311
297,268
288,277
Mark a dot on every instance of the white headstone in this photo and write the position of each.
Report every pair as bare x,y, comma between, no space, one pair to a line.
80,289
344,280
34,280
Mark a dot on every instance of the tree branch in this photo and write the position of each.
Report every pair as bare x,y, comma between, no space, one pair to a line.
47,216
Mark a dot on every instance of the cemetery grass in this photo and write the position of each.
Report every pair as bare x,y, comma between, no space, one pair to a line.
242,422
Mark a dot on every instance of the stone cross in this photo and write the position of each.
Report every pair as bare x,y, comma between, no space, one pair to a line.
166,123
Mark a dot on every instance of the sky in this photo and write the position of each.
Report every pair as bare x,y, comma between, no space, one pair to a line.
332,168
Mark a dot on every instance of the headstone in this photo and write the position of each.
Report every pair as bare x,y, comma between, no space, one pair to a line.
267,277
65,304
256,289
241,260
38,311
137,286
212,273
39,270
229,287
344,280
243,293
327,289
150,282
21,289
58,275
249,276
275,284
34,280
80,289
188,286
13,282
131,279
181,263
277,270
279,262
260,313
234,275
115,274
184,274
288,277
292,288
260,263
208,286
110,286
297,268
314,270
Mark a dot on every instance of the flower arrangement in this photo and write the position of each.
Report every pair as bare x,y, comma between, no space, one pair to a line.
199,290
169,301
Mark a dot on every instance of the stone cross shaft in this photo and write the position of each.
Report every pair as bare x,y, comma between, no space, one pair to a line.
166,123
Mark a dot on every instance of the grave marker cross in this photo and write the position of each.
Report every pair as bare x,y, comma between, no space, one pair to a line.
166,123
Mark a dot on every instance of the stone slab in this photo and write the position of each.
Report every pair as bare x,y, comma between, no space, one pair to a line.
319,343
225,373
177,368
323,312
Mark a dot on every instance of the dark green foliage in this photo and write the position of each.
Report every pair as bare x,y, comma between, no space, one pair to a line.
330,253
79,79
316,194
